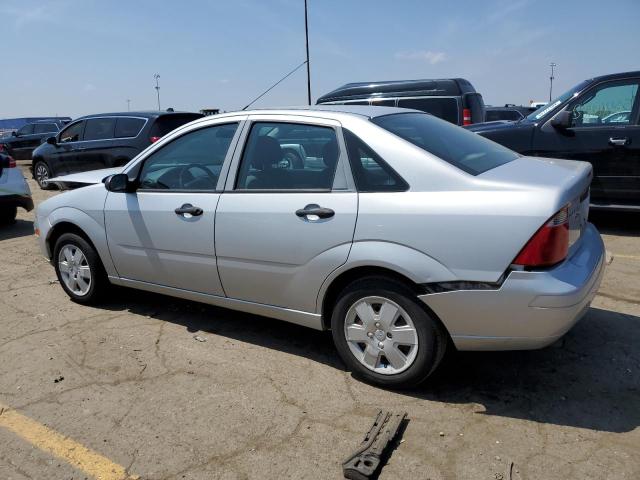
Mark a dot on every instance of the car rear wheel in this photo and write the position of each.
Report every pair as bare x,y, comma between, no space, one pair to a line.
79,269
8,215
42,173
384,335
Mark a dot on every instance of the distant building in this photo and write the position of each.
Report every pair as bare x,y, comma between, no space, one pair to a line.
210,111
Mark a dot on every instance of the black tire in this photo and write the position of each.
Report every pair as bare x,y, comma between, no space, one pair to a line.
8,215
38,167
294,159
99,283
431,335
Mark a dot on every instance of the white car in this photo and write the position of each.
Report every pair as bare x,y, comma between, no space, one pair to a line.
14,190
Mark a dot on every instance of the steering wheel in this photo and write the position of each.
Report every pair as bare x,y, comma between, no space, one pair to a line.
577,115
183,182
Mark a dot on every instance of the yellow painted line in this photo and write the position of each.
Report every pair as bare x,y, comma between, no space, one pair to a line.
620,255
50,441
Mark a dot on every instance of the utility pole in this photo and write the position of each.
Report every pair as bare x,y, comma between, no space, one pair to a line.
157,87
128,104
306,34
552,65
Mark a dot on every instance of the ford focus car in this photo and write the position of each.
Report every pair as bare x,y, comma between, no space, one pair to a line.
397,231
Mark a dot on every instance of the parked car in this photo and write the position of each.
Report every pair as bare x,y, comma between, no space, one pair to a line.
452,99
14,190
21,143
509,112
399,232
102,141
596,121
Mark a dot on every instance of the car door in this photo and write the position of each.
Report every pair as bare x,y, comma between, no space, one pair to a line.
282,227
604,131
63,156
94,151
21,143
163,232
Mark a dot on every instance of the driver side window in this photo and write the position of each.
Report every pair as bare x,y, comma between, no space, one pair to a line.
190,162
607,105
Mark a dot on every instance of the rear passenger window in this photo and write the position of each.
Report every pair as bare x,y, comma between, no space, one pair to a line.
128,127
445,108
45,128
371,173
99,129
288,156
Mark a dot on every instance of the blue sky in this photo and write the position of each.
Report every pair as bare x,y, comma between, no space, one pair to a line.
75,57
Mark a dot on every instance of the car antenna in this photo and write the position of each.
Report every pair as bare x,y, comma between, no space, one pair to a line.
273,86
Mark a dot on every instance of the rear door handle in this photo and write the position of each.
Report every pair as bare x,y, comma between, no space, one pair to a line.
313,210
619,141
190,209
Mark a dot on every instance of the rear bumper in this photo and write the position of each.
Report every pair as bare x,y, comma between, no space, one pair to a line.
15,200
531,309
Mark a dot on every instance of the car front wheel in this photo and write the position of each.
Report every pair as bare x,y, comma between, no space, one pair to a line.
384,335
42,173
79,269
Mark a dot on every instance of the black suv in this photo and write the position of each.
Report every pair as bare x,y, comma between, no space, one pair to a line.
596,121
102,141
452,99
20,144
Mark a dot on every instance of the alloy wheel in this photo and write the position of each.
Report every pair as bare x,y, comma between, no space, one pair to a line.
74,269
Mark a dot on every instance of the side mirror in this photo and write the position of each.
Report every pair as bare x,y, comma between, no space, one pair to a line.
52,141
118,182
14,134
562,120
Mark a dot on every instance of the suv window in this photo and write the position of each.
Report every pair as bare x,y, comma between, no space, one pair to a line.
72,133
26,130
609,103
166,123
190,162
461,148
99,128
127,127
371,173
288,156
445,108
45,128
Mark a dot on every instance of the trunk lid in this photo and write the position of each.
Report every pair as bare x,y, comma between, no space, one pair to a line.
562,182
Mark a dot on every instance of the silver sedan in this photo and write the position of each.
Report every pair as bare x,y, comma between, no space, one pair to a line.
399,232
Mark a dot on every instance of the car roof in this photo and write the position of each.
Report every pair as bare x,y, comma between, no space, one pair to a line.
615,76
425,87
324,111
143,114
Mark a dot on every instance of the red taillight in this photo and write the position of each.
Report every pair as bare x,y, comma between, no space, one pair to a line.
466,117
549,245
154,139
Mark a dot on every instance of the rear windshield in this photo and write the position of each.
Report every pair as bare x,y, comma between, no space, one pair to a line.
167,123
459,147
445,108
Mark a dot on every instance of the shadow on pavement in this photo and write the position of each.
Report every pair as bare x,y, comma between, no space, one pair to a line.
590,379
21,228
626,224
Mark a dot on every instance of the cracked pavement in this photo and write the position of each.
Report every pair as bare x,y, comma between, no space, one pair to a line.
260,398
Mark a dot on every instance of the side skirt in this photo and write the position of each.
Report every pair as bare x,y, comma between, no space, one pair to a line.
306,319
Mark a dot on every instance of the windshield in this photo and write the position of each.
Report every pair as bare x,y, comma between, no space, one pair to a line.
543,110
461,148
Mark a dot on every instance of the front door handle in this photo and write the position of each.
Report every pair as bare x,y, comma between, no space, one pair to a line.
619,142
190,209
313,210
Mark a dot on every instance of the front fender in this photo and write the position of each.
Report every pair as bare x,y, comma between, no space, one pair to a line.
91,224
406,261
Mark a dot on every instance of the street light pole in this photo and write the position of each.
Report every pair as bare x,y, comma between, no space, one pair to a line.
128,105
552,65
157,87
306,34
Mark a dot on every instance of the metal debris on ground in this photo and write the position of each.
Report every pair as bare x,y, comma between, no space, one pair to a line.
364,462
199,338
